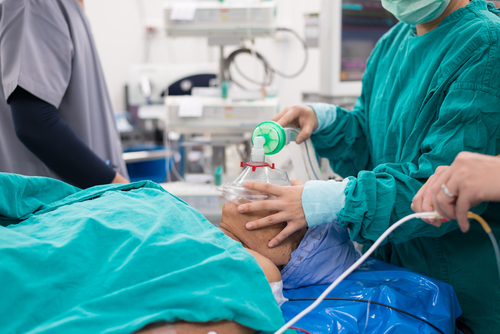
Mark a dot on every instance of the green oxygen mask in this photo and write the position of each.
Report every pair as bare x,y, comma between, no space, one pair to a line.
275,136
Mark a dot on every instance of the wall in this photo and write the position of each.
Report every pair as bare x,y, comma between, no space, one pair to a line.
118,27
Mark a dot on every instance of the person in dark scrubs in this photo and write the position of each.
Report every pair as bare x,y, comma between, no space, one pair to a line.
56,117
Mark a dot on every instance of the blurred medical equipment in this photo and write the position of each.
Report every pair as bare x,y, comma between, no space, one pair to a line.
230,23
421,215
140,129
210,121
201,114
349,30
147,86
312,29
206,123
220,19
155,81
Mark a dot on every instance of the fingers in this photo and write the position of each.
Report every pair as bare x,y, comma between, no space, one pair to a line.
266,221
440,200
427,204
432,198
462,207
280,115
285,233
305,133
267,188
444,204
287,116
296,182
416,204
270,205
423,200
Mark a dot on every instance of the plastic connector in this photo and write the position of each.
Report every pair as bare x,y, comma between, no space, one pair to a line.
258,152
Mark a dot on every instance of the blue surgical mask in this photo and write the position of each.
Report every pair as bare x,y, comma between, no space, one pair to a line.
416,11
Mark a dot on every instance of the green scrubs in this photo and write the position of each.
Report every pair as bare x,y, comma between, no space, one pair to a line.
112,259
425,99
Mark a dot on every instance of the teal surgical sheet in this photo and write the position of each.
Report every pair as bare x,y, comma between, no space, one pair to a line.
112,259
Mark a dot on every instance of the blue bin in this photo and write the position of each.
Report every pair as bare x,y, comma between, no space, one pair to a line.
153,170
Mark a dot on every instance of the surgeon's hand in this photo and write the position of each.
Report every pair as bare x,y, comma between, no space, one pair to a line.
288,204
422,202
298,116
472,178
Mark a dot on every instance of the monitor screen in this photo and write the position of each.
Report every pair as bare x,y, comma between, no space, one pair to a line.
363,23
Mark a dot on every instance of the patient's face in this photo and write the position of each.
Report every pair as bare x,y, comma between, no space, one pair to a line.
233,225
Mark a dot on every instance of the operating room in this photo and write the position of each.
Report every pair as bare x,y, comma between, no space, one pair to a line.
249,166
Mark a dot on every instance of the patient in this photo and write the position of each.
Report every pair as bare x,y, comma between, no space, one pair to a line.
316,255
123,258
132,257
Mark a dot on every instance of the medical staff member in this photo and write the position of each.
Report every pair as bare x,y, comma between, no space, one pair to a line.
453,190
56,117
431,90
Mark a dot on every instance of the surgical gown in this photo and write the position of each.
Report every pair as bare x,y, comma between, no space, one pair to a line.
424,99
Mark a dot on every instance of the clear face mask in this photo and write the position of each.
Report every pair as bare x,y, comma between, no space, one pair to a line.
256,170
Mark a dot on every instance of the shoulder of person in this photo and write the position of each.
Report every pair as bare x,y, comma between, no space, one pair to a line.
483,24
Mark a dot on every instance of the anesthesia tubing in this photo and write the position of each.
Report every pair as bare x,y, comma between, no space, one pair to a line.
421,215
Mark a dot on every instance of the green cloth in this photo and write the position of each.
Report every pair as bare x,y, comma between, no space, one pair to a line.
425,99
111,259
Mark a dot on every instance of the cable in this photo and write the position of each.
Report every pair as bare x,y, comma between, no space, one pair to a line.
249,33
306,58
487,229
301,330
269,71
308,156
355,265
269,75
310,162
166,143
375,303
420,215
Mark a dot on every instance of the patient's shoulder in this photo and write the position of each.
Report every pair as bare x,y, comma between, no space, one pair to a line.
270,270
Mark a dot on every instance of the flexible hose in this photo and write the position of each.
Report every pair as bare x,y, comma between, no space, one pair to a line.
487,229
308,155
356,265
420,215
269,71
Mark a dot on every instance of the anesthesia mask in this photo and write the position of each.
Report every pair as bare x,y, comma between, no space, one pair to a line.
267,138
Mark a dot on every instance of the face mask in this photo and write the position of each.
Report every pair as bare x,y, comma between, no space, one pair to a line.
416,11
